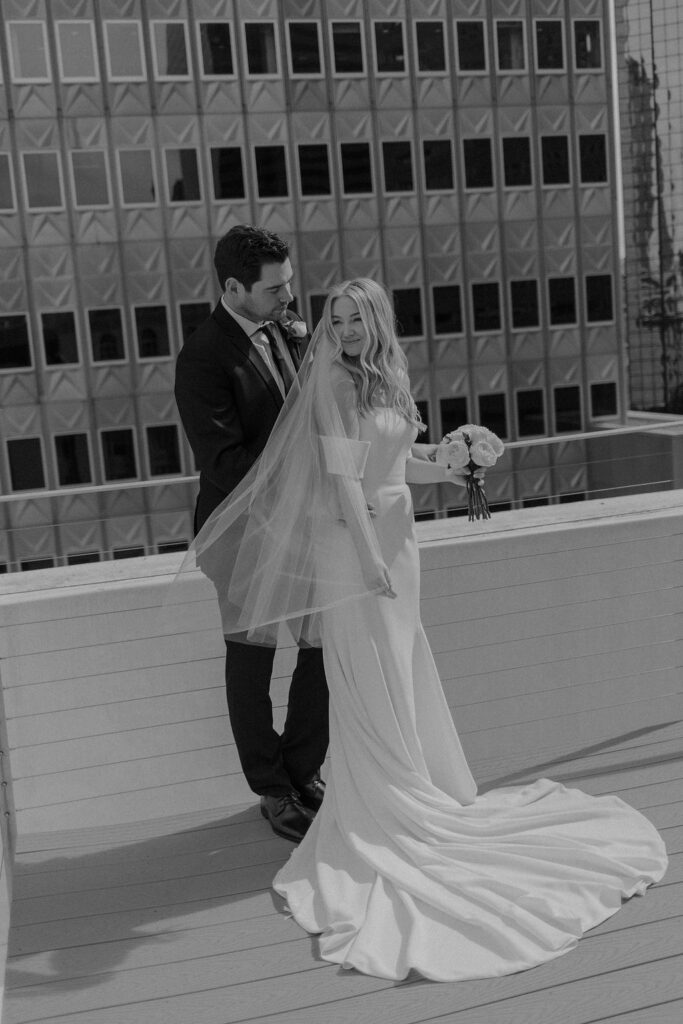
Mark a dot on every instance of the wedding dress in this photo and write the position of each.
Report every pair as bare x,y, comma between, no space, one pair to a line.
405,867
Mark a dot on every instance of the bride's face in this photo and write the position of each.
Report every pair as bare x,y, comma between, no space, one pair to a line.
348,326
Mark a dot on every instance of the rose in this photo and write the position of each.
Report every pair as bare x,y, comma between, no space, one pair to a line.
293,325
453,452
482,454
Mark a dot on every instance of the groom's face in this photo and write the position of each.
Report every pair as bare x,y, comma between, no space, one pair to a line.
269,296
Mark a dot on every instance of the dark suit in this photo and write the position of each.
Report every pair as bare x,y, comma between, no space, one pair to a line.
228,403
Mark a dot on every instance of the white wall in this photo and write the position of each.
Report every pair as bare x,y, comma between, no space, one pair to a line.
555,630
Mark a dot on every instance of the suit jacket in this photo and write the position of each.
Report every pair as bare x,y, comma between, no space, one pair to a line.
228,403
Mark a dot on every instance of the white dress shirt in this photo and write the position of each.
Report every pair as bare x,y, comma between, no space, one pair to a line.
262,345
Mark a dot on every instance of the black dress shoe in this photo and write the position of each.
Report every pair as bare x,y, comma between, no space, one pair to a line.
287,817
311,793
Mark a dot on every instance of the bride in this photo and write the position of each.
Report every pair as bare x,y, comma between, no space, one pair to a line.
405,867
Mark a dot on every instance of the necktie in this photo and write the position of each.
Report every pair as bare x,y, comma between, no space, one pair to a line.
278,358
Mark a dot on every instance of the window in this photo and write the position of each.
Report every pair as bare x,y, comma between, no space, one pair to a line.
43,181
438,165
555,159
123,49
170,50
28,54
478,163
304,48
15,348
151,328
453,413
271,171
106,335
76,51
317,303
603,399
182,176
486,306
389,48
524,301
549,45
26,470
138,185
493,413
599,298
29,564
447,309
398,166
510,45
530,412
261,48
517,161
356,168
192,314
423,409
408,312
587,46
593,159
471,46
163,450
227,173
83,557
7,200
89,177
215,45
562,300
567,407
314,170
60,343
118,454
347,47
73,459
172,545
118,553
430,46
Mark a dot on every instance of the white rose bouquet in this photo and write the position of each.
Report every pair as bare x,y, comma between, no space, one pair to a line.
471,447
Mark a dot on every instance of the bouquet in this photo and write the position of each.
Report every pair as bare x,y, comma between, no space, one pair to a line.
471,447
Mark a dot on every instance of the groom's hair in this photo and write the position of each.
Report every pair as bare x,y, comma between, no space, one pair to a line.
242,252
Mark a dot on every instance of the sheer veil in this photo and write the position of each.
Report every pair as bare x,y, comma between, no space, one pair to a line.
267,547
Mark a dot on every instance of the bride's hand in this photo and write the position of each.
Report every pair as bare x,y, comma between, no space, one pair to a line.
380,581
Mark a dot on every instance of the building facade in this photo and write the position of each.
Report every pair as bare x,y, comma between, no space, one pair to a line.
649,38
460,151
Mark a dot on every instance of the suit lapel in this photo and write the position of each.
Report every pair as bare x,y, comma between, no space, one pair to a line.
242,341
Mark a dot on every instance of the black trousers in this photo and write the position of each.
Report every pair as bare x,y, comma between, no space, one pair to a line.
273,763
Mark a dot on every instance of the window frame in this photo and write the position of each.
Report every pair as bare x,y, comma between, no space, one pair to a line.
304,75
479,72
448,334
152,204
229,199
174,203
14,78
375,56
157,76
30,342
504,184
524,70
598,183
559,387
363,49
610,320
398,192
60,175
431,74
544,408
43,463
72,181
314,195
471,189
501,324
528,327
569,324
268,76
124,337
560,184
203,75
73,79
49,367
146,426
136,454
142,77
179,315
423,168
286,196
422,309
12,184
600,69
72,433
608,415
373,171
550,71
505,435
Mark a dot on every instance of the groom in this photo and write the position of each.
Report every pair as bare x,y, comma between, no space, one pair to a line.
232,375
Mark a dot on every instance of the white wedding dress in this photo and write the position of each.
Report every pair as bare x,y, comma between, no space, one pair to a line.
405,867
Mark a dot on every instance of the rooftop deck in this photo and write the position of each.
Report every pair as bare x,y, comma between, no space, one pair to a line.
140,896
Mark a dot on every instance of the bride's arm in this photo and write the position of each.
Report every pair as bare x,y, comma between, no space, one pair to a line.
421,470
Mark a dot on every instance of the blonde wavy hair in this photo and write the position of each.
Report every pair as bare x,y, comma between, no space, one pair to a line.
381,369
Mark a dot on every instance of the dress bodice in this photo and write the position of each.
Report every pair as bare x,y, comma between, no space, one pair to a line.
391,437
